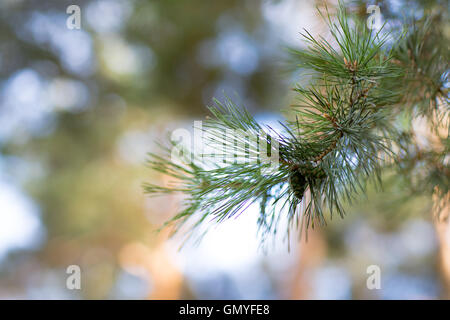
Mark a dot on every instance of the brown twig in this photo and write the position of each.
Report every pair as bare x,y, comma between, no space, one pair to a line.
329,149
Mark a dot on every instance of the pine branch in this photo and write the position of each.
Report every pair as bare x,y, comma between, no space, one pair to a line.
343,133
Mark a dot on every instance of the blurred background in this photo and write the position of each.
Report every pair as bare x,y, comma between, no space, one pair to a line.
79,110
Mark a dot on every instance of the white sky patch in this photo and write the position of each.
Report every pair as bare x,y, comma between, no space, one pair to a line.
74,47
238,52
288,18
20,227
23,104
331,283
108,16
232,249
227,246
233,48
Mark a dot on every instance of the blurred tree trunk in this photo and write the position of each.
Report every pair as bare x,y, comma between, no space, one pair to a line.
441,212
311,254
441,205
164,278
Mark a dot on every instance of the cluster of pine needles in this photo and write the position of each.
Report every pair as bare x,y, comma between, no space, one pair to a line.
336,139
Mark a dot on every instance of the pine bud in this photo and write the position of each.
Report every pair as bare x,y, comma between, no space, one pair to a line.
297,182
302,175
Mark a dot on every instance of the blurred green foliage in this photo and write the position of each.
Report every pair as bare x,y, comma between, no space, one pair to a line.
89,196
